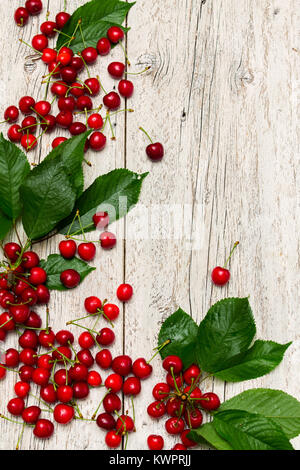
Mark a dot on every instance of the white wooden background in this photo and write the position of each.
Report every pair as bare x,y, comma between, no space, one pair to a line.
222,96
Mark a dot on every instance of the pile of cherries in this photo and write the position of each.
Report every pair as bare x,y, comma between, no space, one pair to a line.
74,96
181,399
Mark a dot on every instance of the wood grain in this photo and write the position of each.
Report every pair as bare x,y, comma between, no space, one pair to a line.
222,95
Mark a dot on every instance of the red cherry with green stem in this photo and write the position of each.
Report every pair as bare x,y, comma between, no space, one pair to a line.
174,379
94,379
48,394
115,34
113,440
39,42
126,88
57,141
12,251
174,426
97,141
116,69
81,390
78,373
48,123
191,374
49,55
105,337
125,424
210,401
41,376
42,108
155,150
63,59
173,363
62,378
48,28
87,251
64,393
106,421
103,46
22,389
104,359
70,278
47,338
28,357
59,88
114,383
77,128
92,304
101,219
86,340
34,7
26,104
175,407
25,373
124,292
30,259
161,391
193,393
193,418
85,357
155,442
43,429
45,362
111,312
37,276
11,358
132,386
31,414
7,299
63,414
29,124
64,337
28,142
77,89
16,406
186,441
84,103
89,55
95,121
33,320
220,275
141,368
61,19
67,249
122,365
68,74
21,16
29,296
112,403
62,354
54,68
157,409
7,322
11,114
112,100
77,64
14,133
93,86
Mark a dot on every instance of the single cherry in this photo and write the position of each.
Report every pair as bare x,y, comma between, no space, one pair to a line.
115,34
124,292
70,278
103,46
155,442
87,251
220,275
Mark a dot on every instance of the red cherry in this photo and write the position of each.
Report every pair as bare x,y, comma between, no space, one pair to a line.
29,339
37,276
70,278
141,368
112,100
97,141
61,353
84,102
29,296
100,219
66,104
87,251
12,251
212,403
30,260
112,403
57,141
81,390
95,121
64,119
196,392
26,373
93,86
28,356
126,88
174,425
47,338
179,447
155,442
26,104
124,292
47,28
49,55
104,359
64,58
16,406
85,357
14,133
125,424
115,34
77,89
122,365
11,358
113,440
105,337
111,312
64,393
77,64
94,379
20,286
156,409
77,128
43,294
39,42
61,378
21,16
67,248
64,337
33,320
68,74
92,304
31,414
11,114
107,240
45,362
116,69
29,123
7,322
155,151
54,68
173,363
7,299
186,441
114,382
193,418
161,391
103,46
28,142
175,407
61,19
43,429
178,380
59,88
106,421
34,7
220,276
86,340
89,55
41,376
132,386
63,414
48,393
22,389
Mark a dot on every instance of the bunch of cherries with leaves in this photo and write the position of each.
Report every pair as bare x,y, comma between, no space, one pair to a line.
181,399
74,96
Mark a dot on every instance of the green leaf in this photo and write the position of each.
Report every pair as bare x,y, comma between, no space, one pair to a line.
227,330
71,153
207,434
247,431
5,225
282,408
116,193
97,17
181,329
48,196
56,264
259,360
14,167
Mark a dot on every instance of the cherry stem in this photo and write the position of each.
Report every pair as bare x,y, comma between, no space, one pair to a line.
111,127
82,36
81,227
159,349
85,65
12,421
75,353
75,217
9,369
78,231
7,321
133,409
138,73
47,320
20,437
98,408
175,383
89,110
31,47
146,133
77,409
234,247
125,53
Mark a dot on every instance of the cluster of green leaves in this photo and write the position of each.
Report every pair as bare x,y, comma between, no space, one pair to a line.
47,197
222,346
96,18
